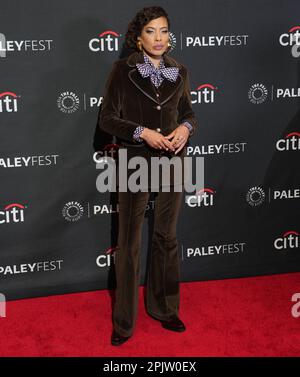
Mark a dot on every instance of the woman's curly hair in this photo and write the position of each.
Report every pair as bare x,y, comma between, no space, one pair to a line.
142,18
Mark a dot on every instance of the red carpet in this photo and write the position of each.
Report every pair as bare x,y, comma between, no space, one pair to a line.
234,317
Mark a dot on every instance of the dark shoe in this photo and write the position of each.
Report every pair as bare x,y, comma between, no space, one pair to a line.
173,324
117,339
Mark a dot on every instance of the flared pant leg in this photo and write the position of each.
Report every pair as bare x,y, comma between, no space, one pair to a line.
163,271
163,278
132,208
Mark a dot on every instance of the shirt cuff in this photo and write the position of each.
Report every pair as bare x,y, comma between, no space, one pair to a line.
188,125
137,132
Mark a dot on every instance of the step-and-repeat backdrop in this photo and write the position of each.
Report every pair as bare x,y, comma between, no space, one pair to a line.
58,232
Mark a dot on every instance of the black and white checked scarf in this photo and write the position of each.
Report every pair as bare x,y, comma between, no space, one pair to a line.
157,75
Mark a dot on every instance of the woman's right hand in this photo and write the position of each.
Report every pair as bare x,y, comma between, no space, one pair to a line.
156,140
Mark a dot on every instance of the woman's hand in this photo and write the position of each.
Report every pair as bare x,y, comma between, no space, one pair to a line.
180,136
156,140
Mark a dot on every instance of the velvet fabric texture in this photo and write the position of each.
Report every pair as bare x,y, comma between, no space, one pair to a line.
163,276
131,100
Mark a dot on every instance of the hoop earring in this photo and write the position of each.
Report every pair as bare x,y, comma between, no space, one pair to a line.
139,45
169,47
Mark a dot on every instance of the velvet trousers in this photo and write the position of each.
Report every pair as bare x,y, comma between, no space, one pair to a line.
163,275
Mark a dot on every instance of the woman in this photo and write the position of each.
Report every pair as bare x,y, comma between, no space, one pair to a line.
147,106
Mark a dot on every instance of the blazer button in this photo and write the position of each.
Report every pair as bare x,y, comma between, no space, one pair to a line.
157,94
158,107
158,129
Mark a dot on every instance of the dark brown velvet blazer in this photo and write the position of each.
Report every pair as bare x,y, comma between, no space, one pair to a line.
130,100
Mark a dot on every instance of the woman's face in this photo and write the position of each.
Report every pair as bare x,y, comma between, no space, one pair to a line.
155,37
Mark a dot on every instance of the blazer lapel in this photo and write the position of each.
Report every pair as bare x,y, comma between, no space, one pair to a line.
167,88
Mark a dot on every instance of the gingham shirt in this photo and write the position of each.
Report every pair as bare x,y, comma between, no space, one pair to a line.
157,77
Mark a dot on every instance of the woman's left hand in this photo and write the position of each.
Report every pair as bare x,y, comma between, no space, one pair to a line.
180,136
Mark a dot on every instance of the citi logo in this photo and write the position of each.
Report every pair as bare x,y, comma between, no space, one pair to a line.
106,41
291,142
8,102
289,240
12,213
106,260
203,198
109,150
291,37
205,93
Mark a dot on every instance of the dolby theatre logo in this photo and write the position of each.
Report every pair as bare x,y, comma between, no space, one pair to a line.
72,211
255,196
257,93
68,102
